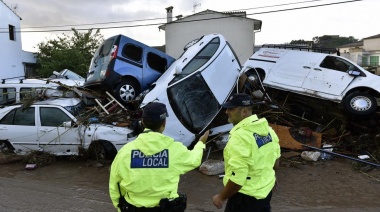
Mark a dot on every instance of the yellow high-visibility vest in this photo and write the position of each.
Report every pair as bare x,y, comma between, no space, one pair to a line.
250,155
148,169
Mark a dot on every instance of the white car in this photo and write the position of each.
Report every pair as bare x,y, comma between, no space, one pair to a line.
320,75
195,85
51,126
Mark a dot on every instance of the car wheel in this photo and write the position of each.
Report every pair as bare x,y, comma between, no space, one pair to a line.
102,150
126,90
360,104
253,83
5,147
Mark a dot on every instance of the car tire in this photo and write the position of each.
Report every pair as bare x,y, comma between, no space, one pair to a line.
6,147
126,90
360,104
102,150
255,77
253,82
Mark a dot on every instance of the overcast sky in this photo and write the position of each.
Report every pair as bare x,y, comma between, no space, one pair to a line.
359,19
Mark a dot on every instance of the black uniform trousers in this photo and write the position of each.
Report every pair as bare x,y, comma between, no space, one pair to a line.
243,203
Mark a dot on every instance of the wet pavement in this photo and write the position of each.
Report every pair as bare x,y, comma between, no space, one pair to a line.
83,186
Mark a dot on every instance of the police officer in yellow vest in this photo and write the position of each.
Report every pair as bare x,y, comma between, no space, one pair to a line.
250,156
146,171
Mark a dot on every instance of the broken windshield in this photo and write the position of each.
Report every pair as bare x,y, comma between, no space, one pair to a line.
193,103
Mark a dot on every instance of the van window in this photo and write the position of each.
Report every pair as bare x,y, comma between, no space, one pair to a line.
105,49
156,62
132,52
7,95
28,93
337,64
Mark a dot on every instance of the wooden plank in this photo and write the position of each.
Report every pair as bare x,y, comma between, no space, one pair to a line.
287,141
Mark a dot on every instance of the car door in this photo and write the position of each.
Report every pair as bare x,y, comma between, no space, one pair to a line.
18,126
53,136
329,77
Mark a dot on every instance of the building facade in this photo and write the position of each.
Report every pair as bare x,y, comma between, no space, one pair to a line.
15,63
234,26
365,53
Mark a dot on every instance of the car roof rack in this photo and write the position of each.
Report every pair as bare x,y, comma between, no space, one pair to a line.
301,48
20,78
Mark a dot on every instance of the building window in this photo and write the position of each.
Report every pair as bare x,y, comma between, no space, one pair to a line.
12,35
374,60
364,61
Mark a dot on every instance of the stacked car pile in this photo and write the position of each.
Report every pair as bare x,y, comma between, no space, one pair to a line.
193,87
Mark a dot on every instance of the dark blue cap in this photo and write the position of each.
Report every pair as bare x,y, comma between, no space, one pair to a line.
238,100
155,110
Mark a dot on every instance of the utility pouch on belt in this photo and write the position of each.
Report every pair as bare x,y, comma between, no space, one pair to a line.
174,205
123,204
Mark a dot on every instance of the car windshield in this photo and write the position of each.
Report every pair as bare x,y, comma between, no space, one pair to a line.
77,109
193,103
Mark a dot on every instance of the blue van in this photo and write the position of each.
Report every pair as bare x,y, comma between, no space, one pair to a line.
126,67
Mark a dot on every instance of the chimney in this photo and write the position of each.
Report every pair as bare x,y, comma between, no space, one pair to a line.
169,11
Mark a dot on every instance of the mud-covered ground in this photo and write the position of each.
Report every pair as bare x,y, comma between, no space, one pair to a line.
331,185
68,185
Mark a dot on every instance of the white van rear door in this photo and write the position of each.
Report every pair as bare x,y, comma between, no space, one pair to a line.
292,69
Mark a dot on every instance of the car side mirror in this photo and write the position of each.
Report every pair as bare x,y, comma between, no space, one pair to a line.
69,124
354,73
178,70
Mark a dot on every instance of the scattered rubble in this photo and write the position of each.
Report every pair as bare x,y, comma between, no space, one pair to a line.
297,120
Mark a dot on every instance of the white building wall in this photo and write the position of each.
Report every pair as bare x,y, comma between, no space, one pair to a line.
371,44
11,54
238,32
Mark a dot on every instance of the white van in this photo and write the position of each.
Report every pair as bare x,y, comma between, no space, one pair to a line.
322,75
15,90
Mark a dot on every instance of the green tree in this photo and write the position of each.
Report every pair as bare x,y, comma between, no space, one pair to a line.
299,42
73,52
333,41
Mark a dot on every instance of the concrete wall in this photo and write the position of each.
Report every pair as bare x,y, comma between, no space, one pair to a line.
238,32
12,56
371,44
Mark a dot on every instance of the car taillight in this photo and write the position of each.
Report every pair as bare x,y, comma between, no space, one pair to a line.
114,51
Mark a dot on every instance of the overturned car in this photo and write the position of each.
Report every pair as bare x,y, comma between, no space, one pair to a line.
195,86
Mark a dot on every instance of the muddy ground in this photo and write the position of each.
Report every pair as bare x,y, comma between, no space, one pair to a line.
331,185
72,185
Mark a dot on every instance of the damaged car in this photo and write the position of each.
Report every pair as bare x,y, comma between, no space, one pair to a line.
126,67
193,89
51,126
316,73
195,85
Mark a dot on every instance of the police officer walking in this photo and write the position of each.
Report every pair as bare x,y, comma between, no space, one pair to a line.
145,173
250,156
